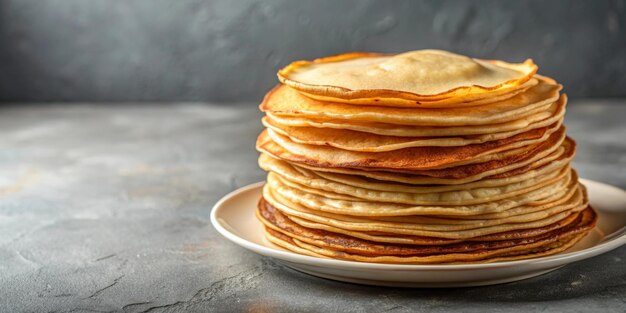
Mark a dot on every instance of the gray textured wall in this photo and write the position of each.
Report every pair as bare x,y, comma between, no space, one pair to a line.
226,50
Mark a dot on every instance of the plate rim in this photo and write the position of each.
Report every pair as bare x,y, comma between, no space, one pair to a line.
289,256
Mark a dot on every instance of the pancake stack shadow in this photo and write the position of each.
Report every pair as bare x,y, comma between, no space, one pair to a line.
419,158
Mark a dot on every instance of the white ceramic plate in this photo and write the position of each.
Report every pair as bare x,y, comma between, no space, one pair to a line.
233,216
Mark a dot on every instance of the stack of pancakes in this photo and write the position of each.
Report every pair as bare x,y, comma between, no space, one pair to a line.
420,157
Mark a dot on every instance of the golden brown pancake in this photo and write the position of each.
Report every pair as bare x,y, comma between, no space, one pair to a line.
482,256
284,101
460,171
294,245
275,220
522,217
370,142
574,200
307,176
369,78
539,119
413,159
345,205
417,197
540,156
367,142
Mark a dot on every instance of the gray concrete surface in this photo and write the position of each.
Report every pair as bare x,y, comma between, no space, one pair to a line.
106,208
225,50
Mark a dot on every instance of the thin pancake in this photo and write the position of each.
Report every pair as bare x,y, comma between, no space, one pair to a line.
464,232
512,253
538,119
562,245
367,142
424,240
542,155
472,167
311,177
327,203
419,158
284,101
460,234
441,224
449,197
541,119
373,78
278,222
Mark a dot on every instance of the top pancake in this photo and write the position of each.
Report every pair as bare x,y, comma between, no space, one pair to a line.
427,78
